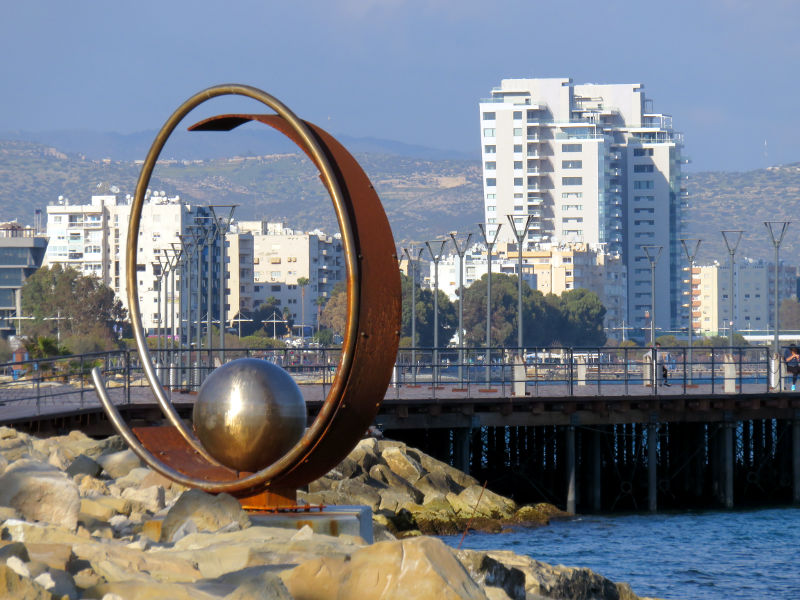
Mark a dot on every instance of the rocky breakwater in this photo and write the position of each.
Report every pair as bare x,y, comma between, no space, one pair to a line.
412,493
81,518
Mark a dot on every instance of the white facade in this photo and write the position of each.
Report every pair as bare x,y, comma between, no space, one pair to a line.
590,164
282,256
92,238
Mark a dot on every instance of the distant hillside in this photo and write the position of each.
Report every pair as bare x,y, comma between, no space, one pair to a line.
424,198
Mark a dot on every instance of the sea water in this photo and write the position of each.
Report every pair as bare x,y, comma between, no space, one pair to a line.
751,554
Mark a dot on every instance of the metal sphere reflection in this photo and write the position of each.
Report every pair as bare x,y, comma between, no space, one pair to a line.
249,413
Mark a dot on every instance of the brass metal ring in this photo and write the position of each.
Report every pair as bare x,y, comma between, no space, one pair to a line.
373,311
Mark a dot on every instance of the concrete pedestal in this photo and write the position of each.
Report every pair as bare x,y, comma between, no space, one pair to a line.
332,520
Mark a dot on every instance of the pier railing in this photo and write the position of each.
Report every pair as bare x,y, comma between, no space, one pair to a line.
420,373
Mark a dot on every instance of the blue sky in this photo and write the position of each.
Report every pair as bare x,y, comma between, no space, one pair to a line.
408,70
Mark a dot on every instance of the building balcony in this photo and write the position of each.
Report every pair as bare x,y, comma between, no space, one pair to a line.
535,171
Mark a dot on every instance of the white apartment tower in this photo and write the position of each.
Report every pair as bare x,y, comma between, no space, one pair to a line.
591,164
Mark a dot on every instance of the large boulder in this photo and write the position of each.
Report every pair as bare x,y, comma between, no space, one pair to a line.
411,569
437,485
83,465
477,501
119,464
40,492
401,463
206,512
15,445
432,465
13,585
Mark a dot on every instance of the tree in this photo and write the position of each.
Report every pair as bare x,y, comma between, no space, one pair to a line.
319,302
448,317
79,309
581,318
302,282
334,315
269,310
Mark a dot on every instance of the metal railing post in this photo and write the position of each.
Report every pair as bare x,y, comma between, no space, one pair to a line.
571,372
712,371
625,359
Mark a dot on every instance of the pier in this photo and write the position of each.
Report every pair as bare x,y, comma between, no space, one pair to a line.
588,430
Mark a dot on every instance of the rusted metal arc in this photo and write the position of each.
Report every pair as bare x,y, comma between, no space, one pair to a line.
373,312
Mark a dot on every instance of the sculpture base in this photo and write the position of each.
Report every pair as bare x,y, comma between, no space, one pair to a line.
332,520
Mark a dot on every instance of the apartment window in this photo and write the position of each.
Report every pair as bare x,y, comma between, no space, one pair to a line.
490,149
571,164
489,116
572,207
491,221
644,198
517,208
491,182
490,165
644,210
517,114
571,147
572,181
517,180
643,152
532,149
517,131
275,288
572,220
57,219
491,208
642,168
488,132
490,196
644,184
275,274
518,196
518,148
517,164
568,195
568,232
644,222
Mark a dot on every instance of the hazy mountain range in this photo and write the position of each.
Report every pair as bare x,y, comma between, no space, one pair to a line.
426,192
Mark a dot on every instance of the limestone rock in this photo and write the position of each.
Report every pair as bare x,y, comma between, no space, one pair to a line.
21,531
85,466
18,549
548,581
490,572
539,514
412,569
150,499
431,465
117,563
360,492
57,582
474,500
207,512
88,486
254,583
436,485
119,464
40,492
147,590
13,585
400,462
366,454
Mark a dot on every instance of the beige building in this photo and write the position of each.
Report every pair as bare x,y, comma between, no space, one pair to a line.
282,256
753,301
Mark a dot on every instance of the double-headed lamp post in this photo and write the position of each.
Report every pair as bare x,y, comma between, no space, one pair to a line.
489,246
436,257
413,256
652,253
732,239
460,250
520,237
777,238
690,256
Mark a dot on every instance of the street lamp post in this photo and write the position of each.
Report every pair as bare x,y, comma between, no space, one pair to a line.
520,237
772,227
222,225
489,246
652,253
690,256
732,239
436,257
460,251
412,270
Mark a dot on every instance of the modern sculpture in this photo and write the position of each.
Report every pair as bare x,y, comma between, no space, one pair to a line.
270,452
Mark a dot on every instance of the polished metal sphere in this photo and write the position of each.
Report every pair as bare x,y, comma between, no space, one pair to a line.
249,413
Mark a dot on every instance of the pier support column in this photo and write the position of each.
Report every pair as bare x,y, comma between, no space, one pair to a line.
571,468
597,470
652,466
727,463
796,461
461,449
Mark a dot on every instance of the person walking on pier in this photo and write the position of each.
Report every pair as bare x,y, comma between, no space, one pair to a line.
792,358
663,360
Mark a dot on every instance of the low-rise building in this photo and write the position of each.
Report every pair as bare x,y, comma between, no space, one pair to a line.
22,250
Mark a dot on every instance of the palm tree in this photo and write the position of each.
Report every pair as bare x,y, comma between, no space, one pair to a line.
320,302
302,282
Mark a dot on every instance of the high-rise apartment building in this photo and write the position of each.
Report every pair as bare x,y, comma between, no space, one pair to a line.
92,238
592,164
